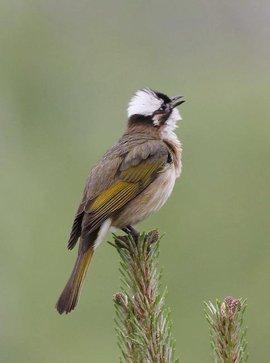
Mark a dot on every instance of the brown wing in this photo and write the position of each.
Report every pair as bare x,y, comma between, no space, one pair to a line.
131,183
124,180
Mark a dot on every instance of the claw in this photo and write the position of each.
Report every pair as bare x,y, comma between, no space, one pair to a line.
132,231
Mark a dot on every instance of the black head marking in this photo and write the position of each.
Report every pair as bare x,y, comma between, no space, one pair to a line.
164,97
140,119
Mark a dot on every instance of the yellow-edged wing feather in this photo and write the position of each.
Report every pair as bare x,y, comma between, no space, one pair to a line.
130,183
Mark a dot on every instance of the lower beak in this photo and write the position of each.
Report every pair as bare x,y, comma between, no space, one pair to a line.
177,101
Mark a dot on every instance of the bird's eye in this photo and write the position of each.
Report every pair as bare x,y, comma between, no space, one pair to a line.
163,107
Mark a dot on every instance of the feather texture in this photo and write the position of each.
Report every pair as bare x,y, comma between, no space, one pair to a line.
130,183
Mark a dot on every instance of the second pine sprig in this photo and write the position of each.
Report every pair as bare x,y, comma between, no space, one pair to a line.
228,335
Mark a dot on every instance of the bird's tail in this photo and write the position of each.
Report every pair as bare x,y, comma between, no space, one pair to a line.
70,295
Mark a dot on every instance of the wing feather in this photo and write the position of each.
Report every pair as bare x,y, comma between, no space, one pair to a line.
131,183
123,173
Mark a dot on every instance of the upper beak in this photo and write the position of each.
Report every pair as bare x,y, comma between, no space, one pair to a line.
176,101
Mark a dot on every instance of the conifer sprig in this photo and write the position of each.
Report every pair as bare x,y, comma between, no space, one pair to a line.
142,319
228,336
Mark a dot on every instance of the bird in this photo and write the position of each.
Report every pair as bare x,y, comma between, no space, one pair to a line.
132,180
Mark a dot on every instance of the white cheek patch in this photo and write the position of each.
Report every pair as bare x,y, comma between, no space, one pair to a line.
171,122
156,120
173,119
144,102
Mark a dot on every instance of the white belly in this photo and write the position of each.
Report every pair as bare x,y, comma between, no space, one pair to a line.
149,201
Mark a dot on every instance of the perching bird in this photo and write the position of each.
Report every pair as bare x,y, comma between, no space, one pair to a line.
133,179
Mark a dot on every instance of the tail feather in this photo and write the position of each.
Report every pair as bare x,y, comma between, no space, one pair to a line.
75,231
70,295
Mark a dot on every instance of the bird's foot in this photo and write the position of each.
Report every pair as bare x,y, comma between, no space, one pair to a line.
132,231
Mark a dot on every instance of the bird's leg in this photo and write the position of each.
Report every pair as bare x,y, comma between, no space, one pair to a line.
132,231
126,230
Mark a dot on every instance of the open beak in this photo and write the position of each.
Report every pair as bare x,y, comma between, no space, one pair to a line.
176,101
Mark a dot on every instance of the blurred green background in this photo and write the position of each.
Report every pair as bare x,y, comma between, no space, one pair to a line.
67,71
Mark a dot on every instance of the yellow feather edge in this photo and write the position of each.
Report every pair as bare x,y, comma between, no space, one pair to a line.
108,194
131,182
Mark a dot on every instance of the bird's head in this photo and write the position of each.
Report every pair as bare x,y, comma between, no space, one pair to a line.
154,108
